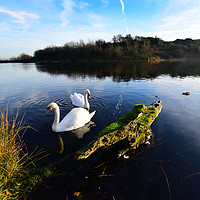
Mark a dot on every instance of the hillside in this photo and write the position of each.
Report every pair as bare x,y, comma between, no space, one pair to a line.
128,47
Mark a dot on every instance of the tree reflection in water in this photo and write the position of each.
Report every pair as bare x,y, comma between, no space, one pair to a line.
123,71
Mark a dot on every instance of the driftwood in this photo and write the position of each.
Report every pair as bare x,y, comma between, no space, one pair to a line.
133,127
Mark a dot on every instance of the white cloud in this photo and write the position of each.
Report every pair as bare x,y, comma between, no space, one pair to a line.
83,5
82,19
122,3
180,20
180,3
105,2
20,17
68,6
96,21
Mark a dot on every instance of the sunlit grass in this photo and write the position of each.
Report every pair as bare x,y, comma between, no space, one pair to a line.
16,181
10,162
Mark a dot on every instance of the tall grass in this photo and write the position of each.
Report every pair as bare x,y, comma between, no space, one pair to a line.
11,156
16,181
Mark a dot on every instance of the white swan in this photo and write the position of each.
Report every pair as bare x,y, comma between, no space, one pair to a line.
76,118
80,100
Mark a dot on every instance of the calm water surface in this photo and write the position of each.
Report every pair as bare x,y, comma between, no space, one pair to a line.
168,168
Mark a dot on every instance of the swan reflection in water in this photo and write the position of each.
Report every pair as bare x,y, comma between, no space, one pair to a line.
78,133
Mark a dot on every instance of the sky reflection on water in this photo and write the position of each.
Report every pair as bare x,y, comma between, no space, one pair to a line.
115,89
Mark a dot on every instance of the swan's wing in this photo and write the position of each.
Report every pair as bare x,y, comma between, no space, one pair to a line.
77,99
76,118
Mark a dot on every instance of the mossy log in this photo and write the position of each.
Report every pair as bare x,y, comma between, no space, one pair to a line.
134,127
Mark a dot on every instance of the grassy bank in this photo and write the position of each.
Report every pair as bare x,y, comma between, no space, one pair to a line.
17,176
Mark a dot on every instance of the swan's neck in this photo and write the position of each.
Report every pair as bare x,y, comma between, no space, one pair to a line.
86,101
56,117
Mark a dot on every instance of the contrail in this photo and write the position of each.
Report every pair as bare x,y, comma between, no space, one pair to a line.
122,3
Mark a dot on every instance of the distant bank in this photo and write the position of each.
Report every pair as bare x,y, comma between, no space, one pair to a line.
151,49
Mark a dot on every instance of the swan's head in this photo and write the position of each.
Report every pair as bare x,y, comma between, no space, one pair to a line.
51,106
87,92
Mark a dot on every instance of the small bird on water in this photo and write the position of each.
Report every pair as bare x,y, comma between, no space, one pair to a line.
186,93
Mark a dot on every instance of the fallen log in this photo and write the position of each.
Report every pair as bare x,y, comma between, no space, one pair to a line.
134,127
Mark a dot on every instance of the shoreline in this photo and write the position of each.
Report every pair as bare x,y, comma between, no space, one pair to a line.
148,60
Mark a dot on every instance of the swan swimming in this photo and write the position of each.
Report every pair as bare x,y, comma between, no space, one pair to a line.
80,100
76,118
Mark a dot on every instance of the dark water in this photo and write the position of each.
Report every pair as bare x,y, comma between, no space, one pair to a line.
168,168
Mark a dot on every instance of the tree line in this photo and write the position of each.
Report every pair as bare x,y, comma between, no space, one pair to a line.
128,47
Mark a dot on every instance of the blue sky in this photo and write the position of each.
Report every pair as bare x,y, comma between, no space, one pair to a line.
29,25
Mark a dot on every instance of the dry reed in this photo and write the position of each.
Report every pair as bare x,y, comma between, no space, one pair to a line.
12,156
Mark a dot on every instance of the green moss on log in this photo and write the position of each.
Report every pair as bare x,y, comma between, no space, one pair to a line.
134,127
138,108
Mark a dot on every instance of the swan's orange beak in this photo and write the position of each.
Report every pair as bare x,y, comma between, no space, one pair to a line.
48,109
88,96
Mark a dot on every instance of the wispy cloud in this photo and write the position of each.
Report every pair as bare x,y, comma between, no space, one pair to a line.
122,3
20,17
81,16
179,20
84,4
105,2
68,6
96,21
71,8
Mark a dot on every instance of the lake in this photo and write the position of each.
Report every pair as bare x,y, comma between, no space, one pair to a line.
168,168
